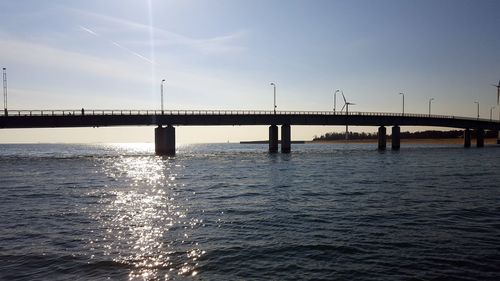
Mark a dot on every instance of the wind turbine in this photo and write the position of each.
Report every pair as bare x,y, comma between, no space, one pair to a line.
498,91
346,106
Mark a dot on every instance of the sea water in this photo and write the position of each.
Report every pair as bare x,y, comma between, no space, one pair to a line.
236,212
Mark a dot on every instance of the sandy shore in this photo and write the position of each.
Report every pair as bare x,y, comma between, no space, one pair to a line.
457,141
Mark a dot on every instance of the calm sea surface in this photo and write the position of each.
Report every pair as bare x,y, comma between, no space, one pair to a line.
235,212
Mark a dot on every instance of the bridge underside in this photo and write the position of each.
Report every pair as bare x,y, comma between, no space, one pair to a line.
52,121
165,136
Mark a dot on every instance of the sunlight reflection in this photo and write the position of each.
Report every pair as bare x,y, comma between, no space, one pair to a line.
146,219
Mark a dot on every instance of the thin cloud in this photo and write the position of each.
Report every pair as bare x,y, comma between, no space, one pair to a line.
217,44
197,82
116,44
29,53
88,30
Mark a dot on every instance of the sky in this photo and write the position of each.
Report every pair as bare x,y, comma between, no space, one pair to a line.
223,54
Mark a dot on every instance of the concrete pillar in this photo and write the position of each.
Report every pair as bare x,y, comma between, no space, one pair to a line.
273,138
382,138
165,140
480,137
396,137
467,138
285,139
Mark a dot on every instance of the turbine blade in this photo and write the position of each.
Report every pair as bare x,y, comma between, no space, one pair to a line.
343,107
344,98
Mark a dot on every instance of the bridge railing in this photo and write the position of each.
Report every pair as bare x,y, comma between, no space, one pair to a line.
120,112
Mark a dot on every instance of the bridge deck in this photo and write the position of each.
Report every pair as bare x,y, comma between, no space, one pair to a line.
101,118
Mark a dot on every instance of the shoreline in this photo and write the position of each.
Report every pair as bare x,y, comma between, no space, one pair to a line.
458,141
411,141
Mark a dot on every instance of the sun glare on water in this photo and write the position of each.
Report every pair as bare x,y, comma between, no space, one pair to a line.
144,218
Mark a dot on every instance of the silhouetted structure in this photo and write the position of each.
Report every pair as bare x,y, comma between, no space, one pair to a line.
165,142
5,92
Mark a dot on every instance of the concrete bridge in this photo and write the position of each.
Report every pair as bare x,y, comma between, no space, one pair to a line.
166,120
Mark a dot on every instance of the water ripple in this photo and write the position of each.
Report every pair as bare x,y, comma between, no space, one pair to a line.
234,212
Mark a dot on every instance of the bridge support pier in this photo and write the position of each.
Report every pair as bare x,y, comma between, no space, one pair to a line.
273,139
480,137
396,138
382,138
467,138
286,139
165,141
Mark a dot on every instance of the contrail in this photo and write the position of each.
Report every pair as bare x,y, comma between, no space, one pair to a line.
88,30
116,44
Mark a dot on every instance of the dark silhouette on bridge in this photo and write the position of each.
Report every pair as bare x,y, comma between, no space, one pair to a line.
165,136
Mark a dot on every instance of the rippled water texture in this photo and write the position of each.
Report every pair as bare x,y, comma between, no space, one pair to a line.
230,211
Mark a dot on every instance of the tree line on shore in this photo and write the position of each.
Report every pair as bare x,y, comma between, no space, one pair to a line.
430,134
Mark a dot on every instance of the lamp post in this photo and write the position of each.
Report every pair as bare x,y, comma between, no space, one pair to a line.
162,81
430,101
347,114
335,100
491,113
403,102
476,102
274,86
5,91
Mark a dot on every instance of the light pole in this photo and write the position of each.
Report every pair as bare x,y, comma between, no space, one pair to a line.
498,92
498,104
274,86
5,91
403,102
430,100
335,100
347,114
476,102
162,81
491,113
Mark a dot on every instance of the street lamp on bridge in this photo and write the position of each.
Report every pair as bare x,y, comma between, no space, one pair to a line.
477,109
162,81
403,102
5,91
335,99
274,86
491,113
498,91
430,101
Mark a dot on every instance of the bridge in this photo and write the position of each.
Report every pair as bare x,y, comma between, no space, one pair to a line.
166,120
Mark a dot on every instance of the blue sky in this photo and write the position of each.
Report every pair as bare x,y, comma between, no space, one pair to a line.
224,54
